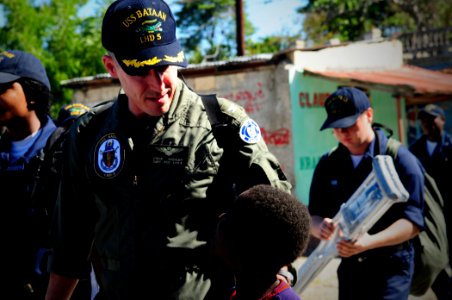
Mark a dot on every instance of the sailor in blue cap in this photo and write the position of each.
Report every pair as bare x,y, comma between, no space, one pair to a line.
24,106
434,149
379,265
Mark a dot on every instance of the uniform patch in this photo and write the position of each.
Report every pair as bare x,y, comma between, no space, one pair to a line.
108,156
250,132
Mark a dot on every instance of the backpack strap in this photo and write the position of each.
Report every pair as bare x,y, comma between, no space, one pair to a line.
212,109
388,130
220,127
392,147
42,158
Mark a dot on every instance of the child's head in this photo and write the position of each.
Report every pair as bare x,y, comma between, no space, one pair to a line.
265,230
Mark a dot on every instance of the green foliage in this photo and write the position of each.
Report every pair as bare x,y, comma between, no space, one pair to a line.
68,45
271,44
208,29
205,27
351,19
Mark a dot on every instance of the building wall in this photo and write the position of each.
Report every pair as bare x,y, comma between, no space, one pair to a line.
93,95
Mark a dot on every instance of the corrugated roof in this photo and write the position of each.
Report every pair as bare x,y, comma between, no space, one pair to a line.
235,61
421,80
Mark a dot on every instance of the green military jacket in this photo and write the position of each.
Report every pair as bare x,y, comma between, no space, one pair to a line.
141,197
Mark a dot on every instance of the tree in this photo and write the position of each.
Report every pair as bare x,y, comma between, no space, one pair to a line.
68,45
349,20
206,28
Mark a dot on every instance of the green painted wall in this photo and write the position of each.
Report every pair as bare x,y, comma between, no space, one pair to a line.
307,95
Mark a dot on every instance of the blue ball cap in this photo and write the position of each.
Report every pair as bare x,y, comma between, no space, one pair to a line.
431,111
15,64
142,35
344,106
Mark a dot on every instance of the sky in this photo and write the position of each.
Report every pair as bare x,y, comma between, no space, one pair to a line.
275,17
268,16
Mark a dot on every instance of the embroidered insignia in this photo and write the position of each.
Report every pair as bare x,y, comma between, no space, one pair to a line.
168,151
148,28
138,64
108,156
6,54
179,58
250,132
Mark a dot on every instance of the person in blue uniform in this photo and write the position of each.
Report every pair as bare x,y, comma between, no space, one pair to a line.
434,150
379,265
265,230
24,105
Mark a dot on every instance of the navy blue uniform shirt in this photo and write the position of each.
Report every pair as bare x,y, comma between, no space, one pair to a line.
335,180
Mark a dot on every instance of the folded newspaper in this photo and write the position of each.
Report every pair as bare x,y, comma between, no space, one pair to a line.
379,191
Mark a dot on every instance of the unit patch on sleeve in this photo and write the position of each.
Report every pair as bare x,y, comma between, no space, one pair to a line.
250,132
109,156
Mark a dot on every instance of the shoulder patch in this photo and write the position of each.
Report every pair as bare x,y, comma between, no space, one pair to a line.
250,132
109,156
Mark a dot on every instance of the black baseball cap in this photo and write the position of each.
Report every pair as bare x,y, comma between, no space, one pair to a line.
142,35
344,106
15,64
431,111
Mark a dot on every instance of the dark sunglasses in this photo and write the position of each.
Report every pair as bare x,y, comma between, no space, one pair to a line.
145,71
5,86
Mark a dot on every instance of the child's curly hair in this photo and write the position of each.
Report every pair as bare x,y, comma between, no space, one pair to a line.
266,229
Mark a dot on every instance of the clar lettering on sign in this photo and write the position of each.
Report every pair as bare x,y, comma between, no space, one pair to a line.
318,100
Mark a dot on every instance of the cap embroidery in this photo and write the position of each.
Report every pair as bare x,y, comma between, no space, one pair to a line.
334,105
150,28
138,64
145,12
8,54
142,35
155,60
179,58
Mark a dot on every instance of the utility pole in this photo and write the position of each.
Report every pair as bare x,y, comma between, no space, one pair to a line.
240,27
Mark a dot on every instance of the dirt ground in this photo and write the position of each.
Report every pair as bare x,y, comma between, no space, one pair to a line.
324,287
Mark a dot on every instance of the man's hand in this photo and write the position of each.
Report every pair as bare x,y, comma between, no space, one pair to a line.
326,229
347,248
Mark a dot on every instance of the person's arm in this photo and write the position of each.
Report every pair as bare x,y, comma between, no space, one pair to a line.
398,232
253,162
60,287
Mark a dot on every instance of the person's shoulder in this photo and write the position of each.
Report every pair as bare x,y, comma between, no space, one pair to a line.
232,109
417,144
91,119
226,111
447,139
95,112
408,161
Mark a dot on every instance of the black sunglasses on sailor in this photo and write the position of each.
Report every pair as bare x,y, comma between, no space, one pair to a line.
144,71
